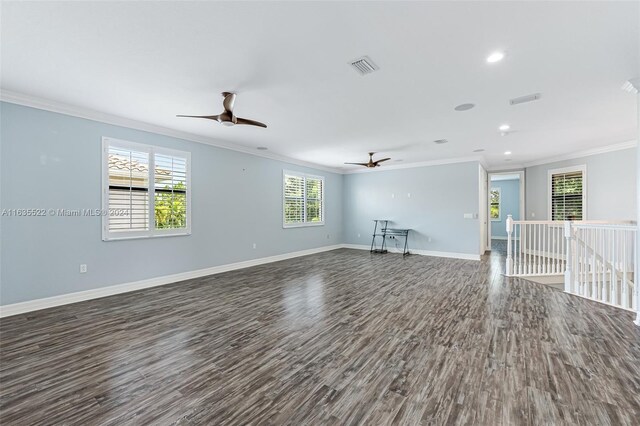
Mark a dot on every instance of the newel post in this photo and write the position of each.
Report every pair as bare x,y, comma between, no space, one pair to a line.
568,272
509,268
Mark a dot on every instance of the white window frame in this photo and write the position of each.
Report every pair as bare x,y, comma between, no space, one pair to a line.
579,168
152,232
304,197
499,218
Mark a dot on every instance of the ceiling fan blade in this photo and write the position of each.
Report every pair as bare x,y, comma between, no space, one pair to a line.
250,122
229,100
384,159
208,117
359,164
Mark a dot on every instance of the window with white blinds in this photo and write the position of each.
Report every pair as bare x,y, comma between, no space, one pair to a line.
146,191
303,199
567,192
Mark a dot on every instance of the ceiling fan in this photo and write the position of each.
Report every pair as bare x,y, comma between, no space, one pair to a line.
226,118
371,163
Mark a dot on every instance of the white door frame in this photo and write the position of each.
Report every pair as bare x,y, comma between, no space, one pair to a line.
523,214
484,182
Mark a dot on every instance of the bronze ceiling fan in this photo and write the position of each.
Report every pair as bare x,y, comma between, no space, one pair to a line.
227,118
371,163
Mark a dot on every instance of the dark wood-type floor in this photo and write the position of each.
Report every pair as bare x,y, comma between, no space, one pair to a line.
341,337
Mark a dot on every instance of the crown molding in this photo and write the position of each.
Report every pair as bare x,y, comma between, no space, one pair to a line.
89,114
477,159
585,153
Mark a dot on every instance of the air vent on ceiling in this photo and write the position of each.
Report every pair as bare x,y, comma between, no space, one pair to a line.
632,86
364,65
525,99
440,141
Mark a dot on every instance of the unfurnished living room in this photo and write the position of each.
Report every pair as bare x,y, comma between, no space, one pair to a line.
310,213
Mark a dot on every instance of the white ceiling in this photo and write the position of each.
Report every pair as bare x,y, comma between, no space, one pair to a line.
289,63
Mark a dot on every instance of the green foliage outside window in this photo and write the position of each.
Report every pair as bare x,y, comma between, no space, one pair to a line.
171,207
495,204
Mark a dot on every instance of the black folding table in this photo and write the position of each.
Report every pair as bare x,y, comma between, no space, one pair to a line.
382,230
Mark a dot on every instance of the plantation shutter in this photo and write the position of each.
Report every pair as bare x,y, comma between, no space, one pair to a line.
146,190
567,196
293,199
128,190
314,200
170,192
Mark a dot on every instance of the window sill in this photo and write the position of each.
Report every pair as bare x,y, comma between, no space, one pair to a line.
146,237
303,225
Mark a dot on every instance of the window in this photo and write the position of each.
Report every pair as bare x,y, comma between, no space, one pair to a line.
145,191
495,204
567,193
303,200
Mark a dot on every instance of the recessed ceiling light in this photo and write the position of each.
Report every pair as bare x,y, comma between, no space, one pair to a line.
478,150
262,148
441,141
495,57
504,127
464,107
507,153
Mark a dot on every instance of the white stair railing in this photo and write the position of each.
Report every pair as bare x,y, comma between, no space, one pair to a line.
535,248
602,263
597,259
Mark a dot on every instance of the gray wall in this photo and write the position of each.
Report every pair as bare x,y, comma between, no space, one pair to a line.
52,160
611,186
509,204
440,196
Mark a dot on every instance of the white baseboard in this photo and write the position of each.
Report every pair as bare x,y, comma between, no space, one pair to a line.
65,299
452,255
81,296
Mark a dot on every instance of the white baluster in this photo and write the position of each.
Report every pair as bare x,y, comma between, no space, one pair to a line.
592,246
614,262
544,250
636,268
605,263
509,267
537,249
625,284
568,273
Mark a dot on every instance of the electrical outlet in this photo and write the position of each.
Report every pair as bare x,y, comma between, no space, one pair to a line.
358,235
393,195
254,245
408,195
533,214
83,268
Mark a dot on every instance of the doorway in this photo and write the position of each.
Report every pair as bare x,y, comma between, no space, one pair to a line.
505,197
